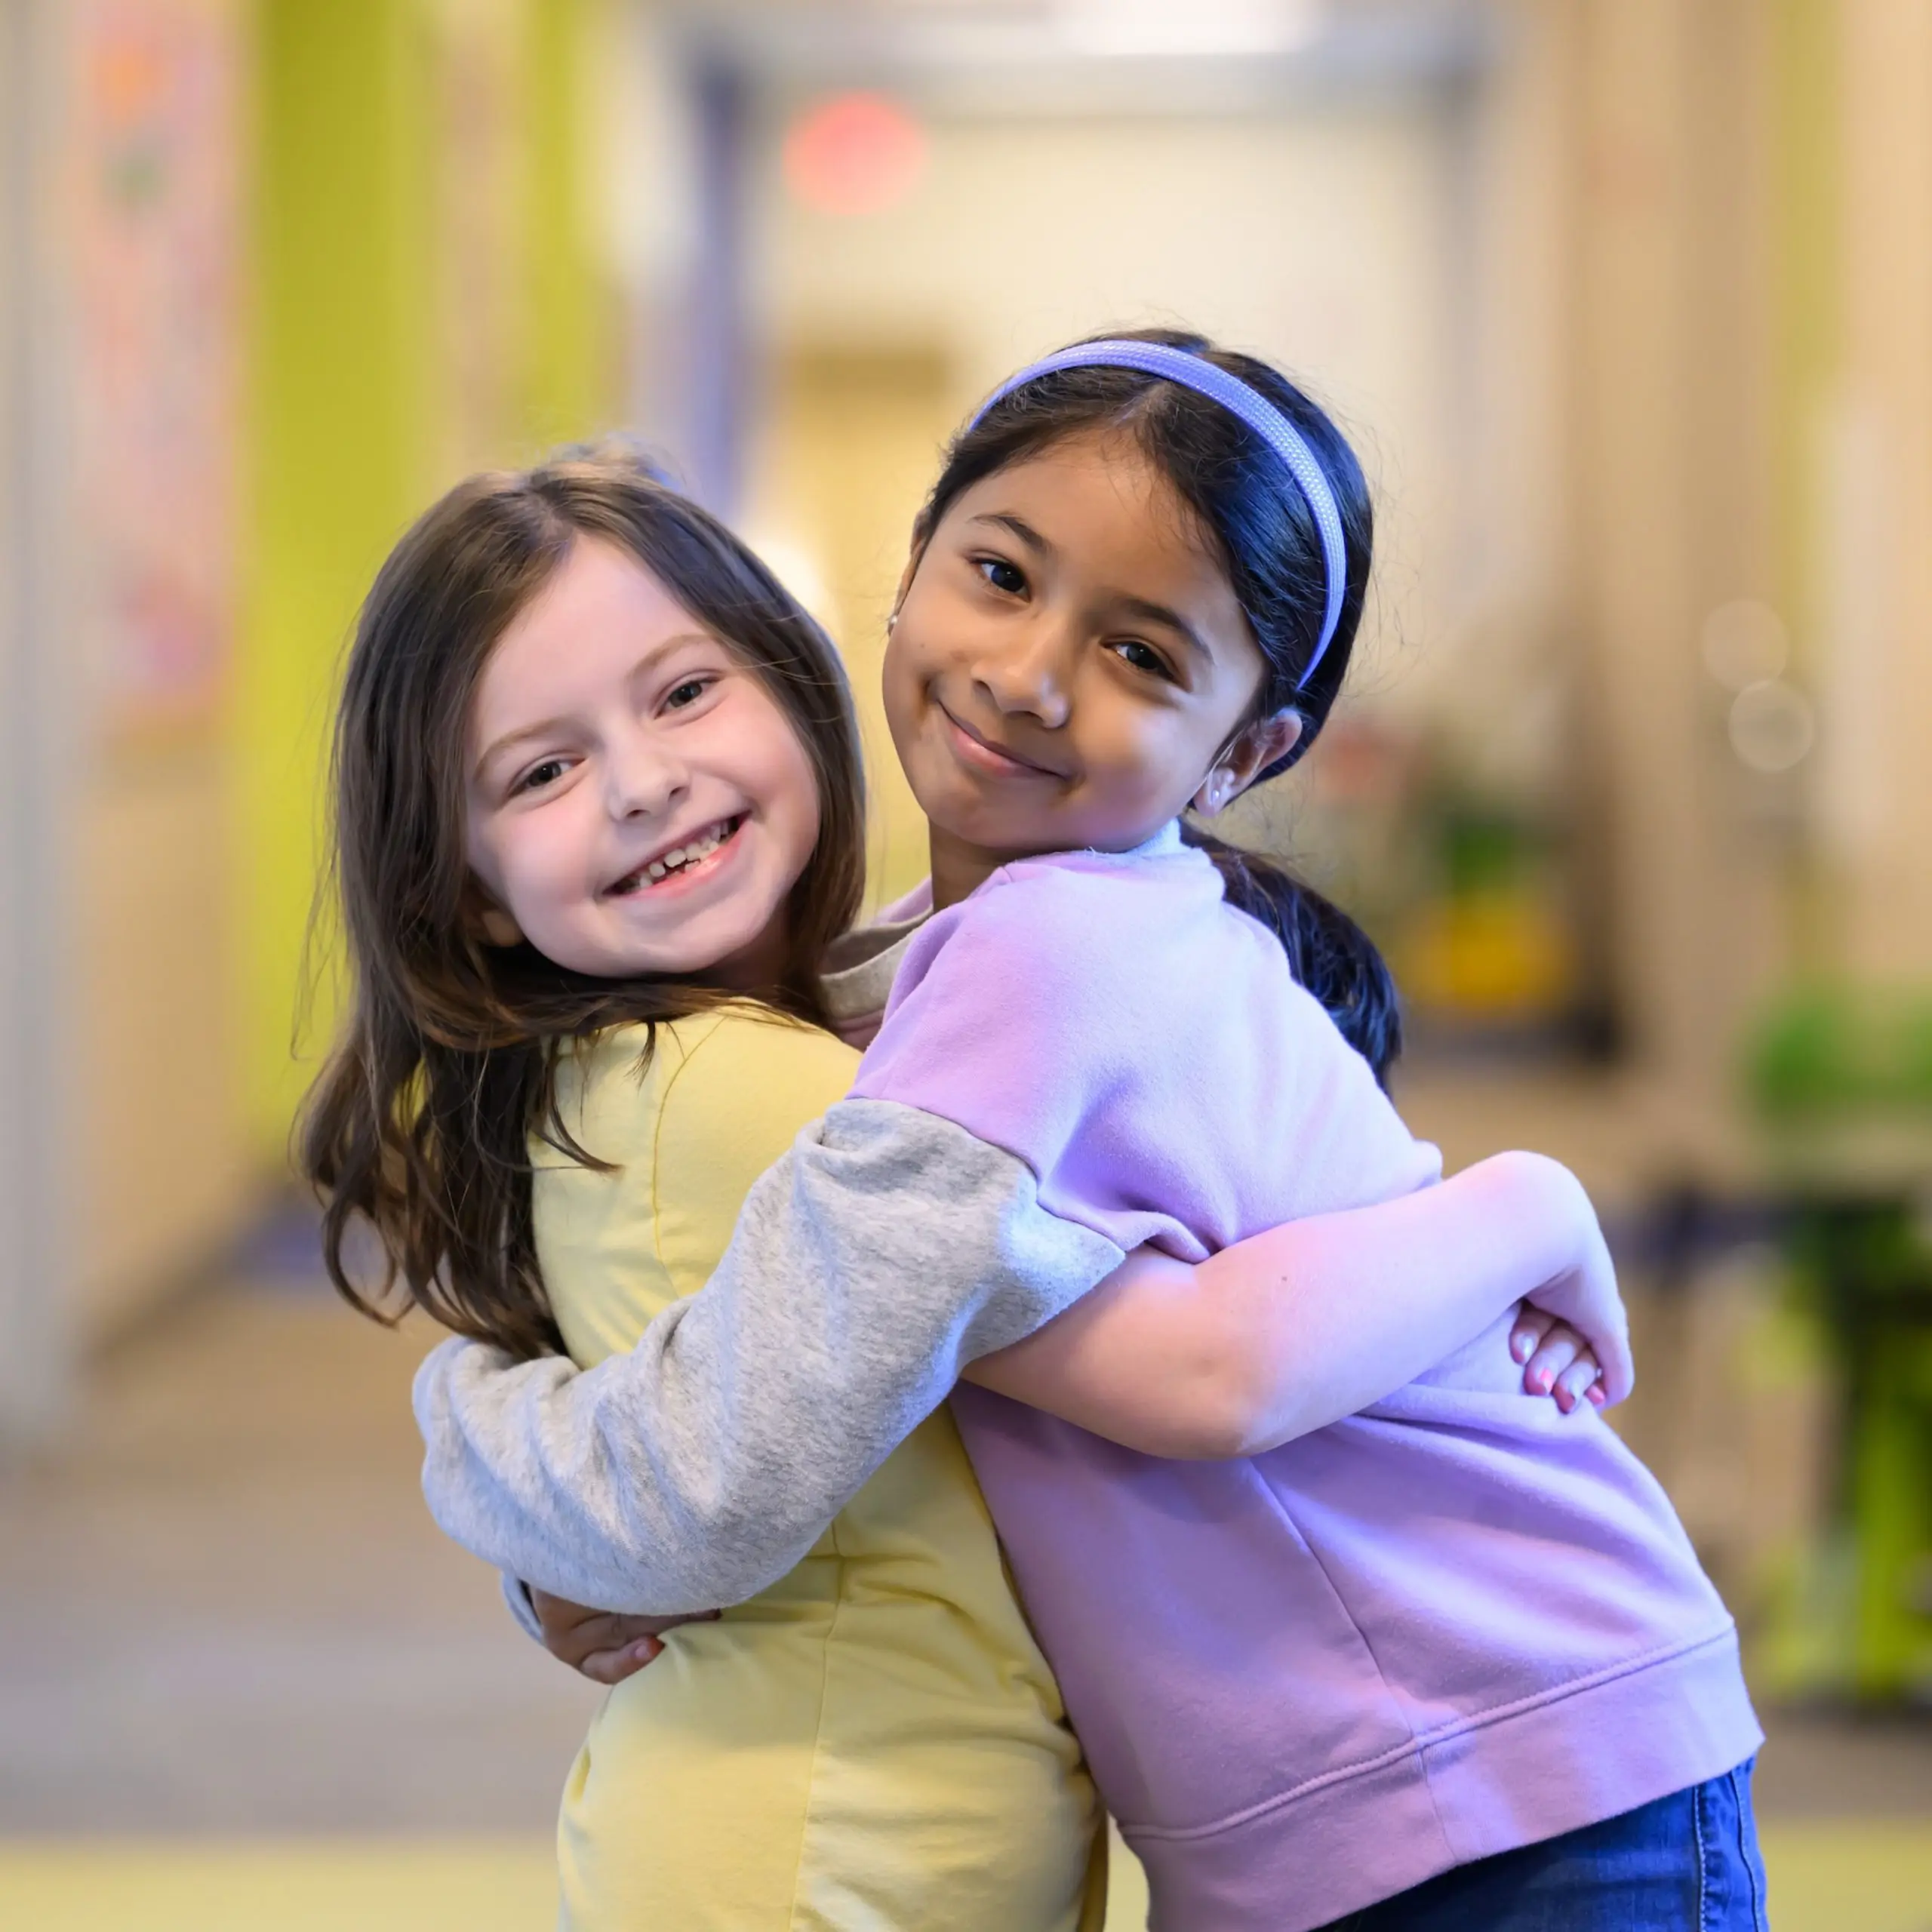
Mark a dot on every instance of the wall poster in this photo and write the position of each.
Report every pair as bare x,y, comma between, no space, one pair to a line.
153,186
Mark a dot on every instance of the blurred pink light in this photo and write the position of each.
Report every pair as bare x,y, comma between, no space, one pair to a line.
854,154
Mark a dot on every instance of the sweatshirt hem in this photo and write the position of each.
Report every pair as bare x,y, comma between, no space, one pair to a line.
1588,1751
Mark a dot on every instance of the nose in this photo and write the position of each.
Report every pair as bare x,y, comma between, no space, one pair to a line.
643,776
1027,673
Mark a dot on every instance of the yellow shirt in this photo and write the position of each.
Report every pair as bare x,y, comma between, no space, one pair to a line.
876,1741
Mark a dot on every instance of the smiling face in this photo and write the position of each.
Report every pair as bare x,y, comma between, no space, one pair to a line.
1069,667
637,802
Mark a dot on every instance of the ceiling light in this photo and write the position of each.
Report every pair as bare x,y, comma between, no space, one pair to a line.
854,154
1145,28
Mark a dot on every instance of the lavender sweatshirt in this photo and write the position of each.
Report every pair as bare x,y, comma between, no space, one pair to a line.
1458,1622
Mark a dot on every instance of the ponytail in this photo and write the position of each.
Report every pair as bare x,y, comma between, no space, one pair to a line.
1328,953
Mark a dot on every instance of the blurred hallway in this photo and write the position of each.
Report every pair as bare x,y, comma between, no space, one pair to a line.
228,1612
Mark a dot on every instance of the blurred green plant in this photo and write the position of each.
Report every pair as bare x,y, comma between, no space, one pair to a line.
1860,1247
1830,1049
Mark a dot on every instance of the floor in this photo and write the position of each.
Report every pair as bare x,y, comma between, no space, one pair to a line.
244,1684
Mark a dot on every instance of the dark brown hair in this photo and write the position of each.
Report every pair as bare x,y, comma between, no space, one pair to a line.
421,1123
1251,509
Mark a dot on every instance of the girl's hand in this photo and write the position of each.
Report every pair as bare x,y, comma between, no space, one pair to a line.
605,1645
1572,1335
1557,1362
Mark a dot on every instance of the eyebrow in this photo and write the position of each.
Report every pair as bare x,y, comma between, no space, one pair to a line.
510,740
1019,526
544,726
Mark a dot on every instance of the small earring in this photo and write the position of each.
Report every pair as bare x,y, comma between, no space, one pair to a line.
890,621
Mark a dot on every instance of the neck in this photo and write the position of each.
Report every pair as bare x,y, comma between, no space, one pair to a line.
959,868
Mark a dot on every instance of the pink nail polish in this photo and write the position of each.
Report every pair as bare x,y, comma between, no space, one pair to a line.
1544,1379
1596,1395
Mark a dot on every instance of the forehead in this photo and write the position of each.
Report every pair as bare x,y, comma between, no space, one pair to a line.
1113,515
599,612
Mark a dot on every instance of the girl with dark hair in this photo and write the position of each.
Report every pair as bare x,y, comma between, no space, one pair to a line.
598,820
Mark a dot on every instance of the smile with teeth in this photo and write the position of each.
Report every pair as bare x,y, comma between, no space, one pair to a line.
680,858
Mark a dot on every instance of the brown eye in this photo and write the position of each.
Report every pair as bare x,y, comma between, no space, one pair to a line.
1143,657
681,696
539,775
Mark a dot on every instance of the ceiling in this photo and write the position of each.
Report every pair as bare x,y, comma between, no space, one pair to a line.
1062,56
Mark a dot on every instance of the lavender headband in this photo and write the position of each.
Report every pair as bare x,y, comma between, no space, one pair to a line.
1205,378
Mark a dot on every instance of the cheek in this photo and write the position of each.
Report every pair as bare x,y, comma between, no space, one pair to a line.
903,687
938,629
778,777
896,677
801,804
1141,758
492,862
537,857
1127,738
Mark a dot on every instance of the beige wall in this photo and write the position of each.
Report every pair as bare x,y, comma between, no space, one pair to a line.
1752,358
1671,481
1872,461
162,1174
845,456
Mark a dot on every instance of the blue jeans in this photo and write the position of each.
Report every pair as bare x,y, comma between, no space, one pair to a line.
1688,1863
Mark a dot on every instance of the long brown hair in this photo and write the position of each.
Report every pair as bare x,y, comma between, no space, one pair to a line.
421,1122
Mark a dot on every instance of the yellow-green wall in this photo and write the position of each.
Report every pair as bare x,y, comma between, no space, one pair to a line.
343,429
571,377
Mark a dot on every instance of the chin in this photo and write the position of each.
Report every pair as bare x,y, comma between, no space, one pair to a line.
998,831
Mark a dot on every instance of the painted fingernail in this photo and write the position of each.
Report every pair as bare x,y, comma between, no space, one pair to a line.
1519,1347
1544,1378
1596,1395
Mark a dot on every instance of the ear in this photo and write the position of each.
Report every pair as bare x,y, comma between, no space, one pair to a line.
487,919
1249,753
498,927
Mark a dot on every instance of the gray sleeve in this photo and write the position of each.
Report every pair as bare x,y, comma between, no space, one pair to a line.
516,1599
887,1249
